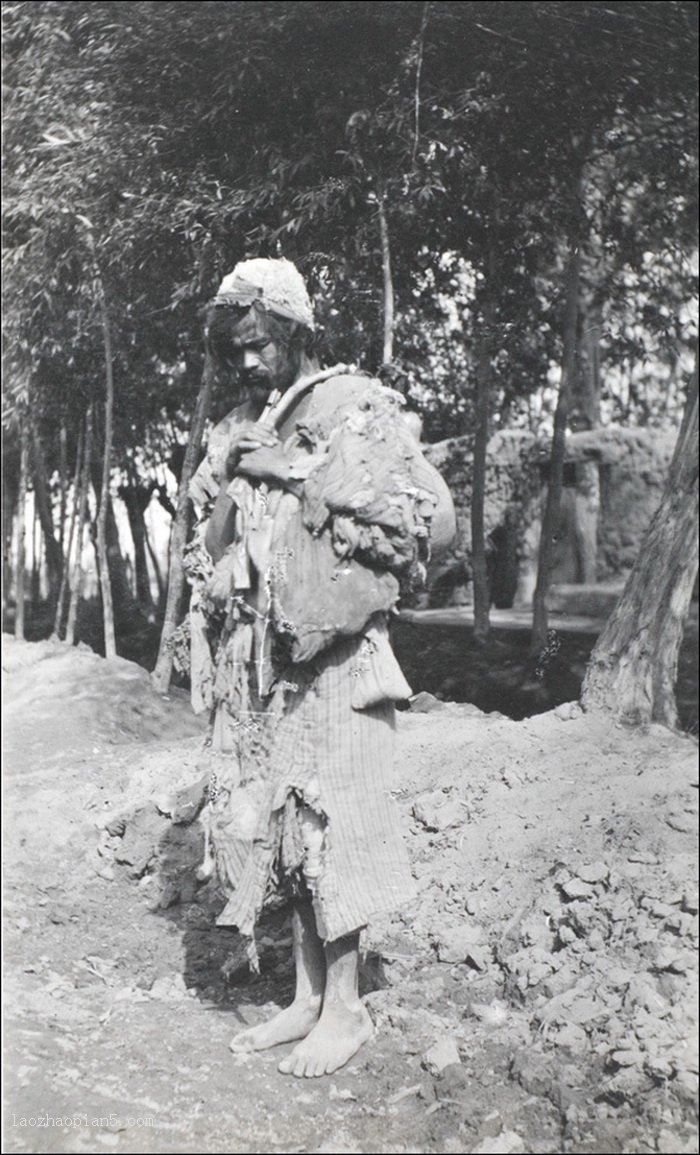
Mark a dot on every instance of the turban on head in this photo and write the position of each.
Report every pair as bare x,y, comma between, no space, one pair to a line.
276,284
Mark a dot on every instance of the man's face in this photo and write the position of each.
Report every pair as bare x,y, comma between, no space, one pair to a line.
263,360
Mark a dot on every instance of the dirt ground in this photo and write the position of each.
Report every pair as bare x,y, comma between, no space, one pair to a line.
540,996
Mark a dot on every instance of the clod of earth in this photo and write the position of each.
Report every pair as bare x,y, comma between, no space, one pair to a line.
443,1053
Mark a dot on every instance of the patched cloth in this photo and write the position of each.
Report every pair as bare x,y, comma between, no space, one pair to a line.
293,658
276,284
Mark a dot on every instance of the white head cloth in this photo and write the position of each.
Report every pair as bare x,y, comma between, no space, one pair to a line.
276,283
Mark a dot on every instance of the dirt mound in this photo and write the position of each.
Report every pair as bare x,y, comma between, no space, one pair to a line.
59,697
538,997
74,729
559,866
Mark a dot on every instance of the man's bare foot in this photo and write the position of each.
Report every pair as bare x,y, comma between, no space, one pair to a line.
338,1035
289,1025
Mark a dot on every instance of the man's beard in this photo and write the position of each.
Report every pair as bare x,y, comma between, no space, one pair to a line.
257,389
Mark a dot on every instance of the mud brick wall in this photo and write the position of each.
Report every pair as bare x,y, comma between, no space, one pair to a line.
512,485
632,464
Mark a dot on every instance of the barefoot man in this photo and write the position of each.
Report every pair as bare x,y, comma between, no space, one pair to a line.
316,506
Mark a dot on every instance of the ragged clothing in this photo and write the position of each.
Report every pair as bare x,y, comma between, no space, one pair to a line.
294,661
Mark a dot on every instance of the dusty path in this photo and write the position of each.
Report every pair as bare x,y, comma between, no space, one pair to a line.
539,997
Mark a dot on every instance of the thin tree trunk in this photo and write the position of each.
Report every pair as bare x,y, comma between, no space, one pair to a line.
76,580
480,577
388,287
156,570
138,534
63,483
42,497
105,586
60,604
484,369
21,528
35,586
633,667
124,601
419,69
178,537
550,520
136,499
586,404
163,499
125,605
9,499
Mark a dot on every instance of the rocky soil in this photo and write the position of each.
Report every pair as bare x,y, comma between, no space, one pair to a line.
540,996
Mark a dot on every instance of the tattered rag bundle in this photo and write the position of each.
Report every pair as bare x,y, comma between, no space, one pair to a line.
364,522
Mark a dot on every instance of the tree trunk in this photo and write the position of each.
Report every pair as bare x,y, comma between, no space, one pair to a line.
124,604
388,287
178,537
136,499
484,369
157,571
63,484
21,528
9,501
42,497
550,520
105,587
61,601
76,580
632,670
35,586
419,69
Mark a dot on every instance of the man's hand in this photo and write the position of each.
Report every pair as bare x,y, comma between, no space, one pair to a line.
247,438
268,463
